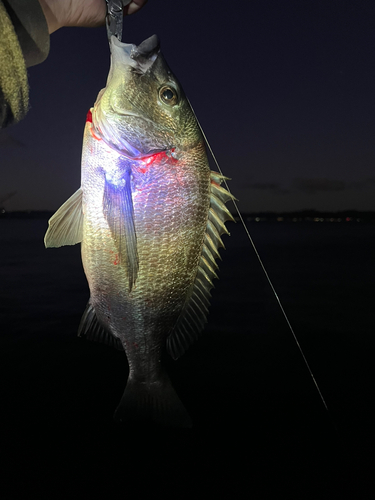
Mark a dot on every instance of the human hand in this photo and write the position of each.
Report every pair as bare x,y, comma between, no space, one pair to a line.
85,13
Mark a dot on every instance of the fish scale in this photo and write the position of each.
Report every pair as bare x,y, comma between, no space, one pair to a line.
149,215
170,226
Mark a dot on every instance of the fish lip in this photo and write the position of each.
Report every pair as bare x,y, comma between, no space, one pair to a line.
126,47
145,48
140,57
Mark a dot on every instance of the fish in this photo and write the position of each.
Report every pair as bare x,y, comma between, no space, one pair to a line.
149,216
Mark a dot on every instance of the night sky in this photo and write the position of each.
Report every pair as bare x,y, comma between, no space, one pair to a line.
284,91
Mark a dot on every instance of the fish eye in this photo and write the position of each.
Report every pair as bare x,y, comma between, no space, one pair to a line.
168,95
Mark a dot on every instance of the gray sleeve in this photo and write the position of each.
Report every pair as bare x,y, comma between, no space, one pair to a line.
31,29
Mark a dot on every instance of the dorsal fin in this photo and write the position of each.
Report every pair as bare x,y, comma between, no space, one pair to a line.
119,213
65,226
194,313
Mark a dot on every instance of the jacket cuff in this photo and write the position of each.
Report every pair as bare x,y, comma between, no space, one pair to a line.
31,29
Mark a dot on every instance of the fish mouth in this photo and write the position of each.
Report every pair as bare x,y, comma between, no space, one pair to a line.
140,57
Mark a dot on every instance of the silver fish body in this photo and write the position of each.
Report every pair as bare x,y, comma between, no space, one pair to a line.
149,215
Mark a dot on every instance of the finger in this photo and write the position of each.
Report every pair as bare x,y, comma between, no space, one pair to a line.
134,6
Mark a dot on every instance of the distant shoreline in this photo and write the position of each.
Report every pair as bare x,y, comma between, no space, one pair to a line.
296,216
310,216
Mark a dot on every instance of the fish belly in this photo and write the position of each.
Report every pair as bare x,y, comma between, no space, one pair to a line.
171,203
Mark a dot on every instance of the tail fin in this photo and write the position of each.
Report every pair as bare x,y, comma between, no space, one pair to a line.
152,402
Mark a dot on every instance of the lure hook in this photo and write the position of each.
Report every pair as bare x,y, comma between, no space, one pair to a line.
114,18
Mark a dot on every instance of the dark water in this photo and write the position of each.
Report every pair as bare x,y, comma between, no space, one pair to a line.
260,430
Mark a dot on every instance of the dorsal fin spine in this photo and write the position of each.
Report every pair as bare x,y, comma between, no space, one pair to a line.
219,223
221,193
204,262
211,245
202,287
194,313
205,275
208,254
218,178
215,236
221,209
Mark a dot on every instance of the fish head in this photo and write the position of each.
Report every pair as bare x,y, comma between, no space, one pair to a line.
143,109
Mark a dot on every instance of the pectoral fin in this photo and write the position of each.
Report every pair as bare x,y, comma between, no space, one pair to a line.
119,213
65,226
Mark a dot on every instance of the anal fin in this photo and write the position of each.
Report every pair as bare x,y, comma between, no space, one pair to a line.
91,329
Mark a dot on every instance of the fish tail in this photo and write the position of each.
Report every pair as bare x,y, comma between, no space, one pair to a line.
152,402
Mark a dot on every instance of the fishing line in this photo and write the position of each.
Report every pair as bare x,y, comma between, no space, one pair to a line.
266,273
333,422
